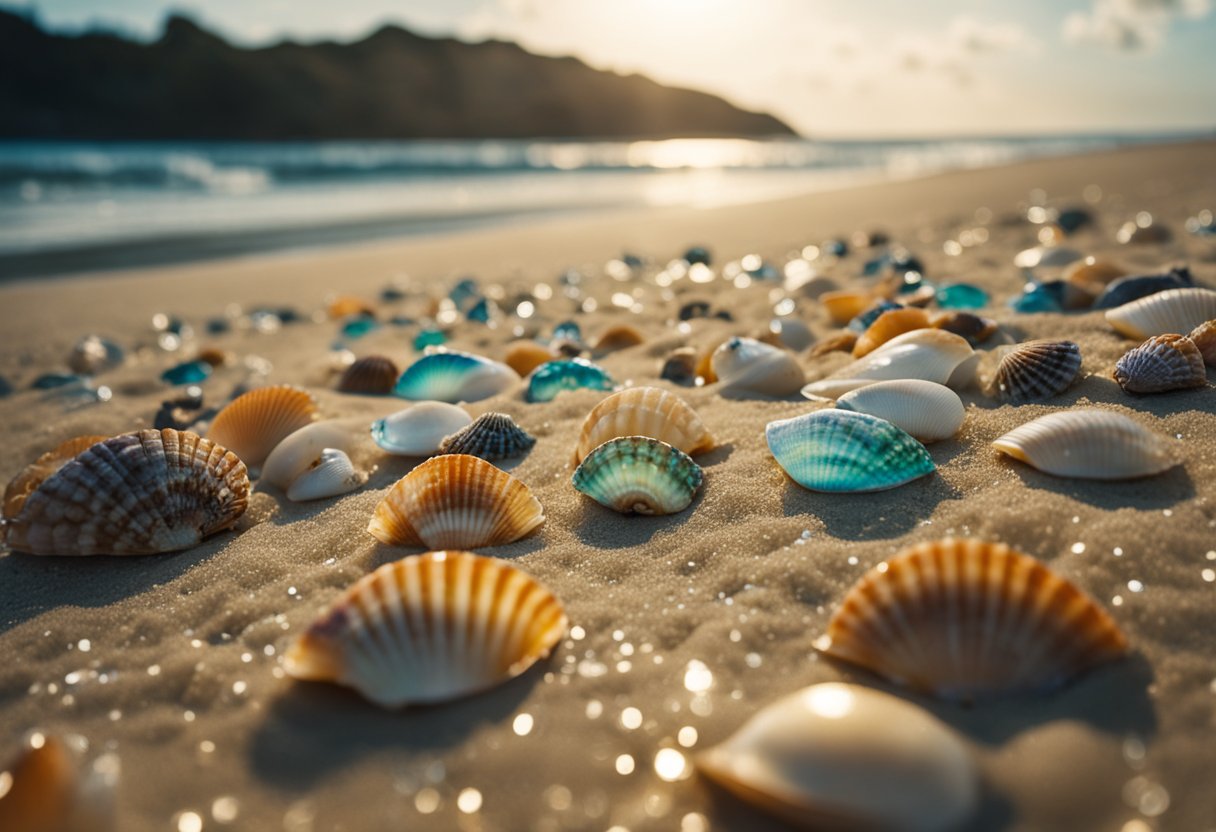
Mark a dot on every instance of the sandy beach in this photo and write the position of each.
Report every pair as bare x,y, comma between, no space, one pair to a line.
172,662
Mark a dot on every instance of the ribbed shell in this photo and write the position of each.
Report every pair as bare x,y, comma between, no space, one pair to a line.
886,326
374,375
547,380
1036,370
619,337
456,501
1204,337
1127,289
1160,364
644,411
453,377
842,451
300,451
756,367
924,409
929,354
975,328
330,475
1172,311
1089,444
253,423
139,493
639,475
525,356
680,367
431,628
419,430
492,436
32,476
968,619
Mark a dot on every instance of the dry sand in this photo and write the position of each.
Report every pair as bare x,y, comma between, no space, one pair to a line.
181,678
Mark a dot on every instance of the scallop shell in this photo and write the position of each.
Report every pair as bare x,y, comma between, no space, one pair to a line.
929,354
842,757
751,365
639,475
924,409
139,493
452,377
430,628
419,430
253,423
644,411
680,367
843,306
842,341
1171,311
975,328
1204,337
525,356
374,375
491,437
33,475
300,451
843,451
547,380
619,337
1089,444
456,501
967,619
1036,370
48,790
1127,289
1160,364
330,475
886,326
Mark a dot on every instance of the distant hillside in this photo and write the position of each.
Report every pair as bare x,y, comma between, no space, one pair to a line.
191,84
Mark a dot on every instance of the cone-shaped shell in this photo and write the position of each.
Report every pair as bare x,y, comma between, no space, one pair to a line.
639,475
929,354
753,366
491,437
967,619
33,475
547,380
644,411
1160,364
844,306
886,326
924,409
842,757
48,791
1204,337
419,430
253,423
842,451
430,628
619,337
374,375
1089,444
525,356
1036,370
330,475
456,501
140,493
1172,311
452,377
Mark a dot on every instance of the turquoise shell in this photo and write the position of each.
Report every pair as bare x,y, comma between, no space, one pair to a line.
429,338
191,372
552,377
961,296
454,377
639,475
843,451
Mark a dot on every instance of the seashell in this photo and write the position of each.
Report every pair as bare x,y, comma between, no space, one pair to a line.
843,306
1089,444
1127,289
419,430
1046,257
456,501
842,451
619,337
842,757
344,306
968,619
1142,231
140,493
639,475
214,356
790,333
430,628
492,436
547,380
374,375
568,331
974,328
47,789
694,309
842,341
924,409
253,423
1036,370
187,372
330,475
807,283
1065,295
453,377
93,354
1171,311
301,450
886,326
680,367
870,314
34,474
525,356
1204,337
929,354
644,411
705,364
1160,364
748,364
1093,273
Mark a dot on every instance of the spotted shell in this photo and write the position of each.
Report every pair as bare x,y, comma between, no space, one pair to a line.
430,628
929,354
975,328
1204,337
1089,444
843,306
644,411
1171,311
619,337
48,789
639,475
492,436
331,474
525,356
140,493
886,326
450,376
373,375
456,501
254,422
745,364
1160,364
419,430
547,380
968,619
33,475
924,409
1036,370
842,341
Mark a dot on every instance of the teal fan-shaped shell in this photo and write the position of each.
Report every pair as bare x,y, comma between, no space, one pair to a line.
843,451
639,475
454,377
552,377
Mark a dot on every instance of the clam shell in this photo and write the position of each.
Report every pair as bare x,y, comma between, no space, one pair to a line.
756,367
547,380
843,306
842,341
430,628
525,356
1171,311
48,790
139,493
456,501
1127,289
929,354
1036,370
967,619
886,326
644,411
24,484
300,451
1160,364
680,367
419,430
975,328
843,451
790,333
841,757
1089,444
619,337
1204,337
492,436
330,475
452,377
374,375
639,475
253,423
924,409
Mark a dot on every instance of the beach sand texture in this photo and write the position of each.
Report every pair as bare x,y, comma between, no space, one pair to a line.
181,676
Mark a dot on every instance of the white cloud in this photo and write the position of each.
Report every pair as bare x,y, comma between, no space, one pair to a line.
1130,25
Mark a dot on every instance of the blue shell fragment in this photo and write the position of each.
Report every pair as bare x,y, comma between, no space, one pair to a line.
190,372
429,338
961,296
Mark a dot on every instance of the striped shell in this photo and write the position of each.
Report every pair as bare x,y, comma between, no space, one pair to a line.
1036,370
753,366
929,354
639,475
33,475
1160,364
374,375
419,430
430,628
525,356
644,411
842,451
1175,310
491,437
331,474
1089,444
886,326
1204,337
253,423
549,379
140,493
456,501
619,337
968,619
453,377
925,409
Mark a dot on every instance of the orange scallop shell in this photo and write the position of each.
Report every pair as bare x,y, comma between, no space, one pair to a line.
253,423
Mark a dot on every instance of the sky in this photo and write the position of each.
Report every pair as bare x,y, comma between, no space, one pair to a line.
861,69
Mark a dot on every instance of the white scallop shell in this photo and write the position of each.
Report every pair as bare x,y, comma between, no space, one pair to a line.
748,364
331,474
925,409
299,451
1089,444
419,430
928,354
1172,311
